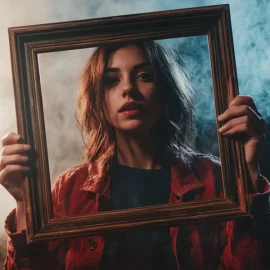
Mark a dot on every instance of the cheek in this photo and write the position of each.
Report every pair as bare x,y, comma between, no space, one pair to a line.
154,99
107,107
110,108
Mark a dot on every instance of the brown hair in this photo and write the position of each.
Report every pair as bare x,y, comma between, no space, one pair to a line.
97,133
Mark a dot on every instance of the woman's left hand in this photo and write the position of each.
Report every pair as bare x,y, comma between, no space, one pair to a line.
242,118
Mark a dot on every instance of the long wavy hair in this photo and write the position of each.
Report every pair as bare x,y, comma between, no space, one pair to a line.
176,92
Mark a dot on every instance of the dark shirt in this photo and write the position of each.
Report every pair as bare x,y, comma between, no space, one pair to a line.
139,249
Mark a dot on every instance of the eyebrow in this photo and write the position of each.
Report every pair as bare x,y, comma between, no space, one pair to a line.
146,64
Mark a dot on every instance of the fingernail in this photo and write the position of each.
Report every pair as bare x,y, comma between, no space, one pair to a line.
27,147
232,103
221,129
220,117
17,137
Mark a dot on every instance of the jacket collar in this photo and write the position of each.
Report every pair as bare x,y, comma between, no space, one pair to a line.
182,181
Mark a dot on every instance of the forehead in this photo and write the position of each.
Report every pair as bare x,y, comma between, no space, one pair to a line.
127,56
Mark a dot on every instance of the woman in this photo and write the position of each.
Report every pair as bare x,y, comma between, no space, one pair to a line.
135,107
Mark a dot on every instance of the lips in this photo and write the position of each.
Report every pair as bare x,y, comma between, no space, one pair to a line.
130,106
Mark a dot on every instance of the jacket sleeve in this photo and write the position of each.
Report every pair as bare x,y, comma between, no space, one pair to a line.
260,202
244,247
44,255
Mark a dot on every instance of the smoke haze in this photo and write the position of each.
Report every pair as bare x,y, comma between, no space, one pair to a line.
251,32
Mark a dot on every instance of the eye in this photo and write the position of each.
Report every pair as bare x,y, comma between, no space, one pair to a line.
110,80
145,76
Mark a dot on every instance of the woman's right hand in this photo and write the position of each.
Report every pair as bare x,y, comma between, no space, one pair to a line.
14,163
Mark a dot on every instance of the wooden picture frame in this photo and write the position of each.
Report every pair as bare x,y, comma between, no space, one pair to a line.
27,42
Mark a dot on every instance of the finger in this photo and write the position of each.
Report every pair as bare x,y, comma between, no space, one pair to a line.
11,138
11,169
15,149
234,122
244,100
13,159
236,111
243,129
254,127
239,129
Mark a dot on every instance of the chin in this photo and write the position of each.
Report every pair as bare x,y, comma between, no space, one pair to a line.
133,126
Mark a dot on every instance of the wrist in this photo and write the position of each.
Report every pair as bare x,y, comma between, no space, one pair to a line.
256,185
20,217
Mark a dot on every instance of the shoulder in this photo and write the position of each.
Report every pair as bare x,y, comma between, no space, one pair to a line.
78,169
205,161
67,195
72,176
203,166
207,169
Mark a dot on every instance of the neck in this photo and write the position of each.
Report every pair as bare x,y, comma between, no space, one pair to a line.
138,151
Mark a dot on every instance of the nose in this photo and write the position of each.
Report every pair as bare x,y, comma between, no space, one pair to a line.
127,86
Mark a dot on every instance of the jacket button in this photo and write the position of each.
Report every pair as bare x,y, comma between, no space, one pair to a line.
177,196
92,244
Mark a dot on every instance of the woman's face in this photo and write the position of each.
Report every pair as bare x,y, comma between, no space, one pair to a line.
132,98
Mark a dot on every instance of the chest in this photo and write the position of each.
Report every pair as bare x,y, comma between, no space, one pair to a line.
193,246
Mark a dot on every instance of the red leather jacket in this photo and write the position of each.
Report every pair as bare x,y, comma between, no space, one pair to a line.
204,246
